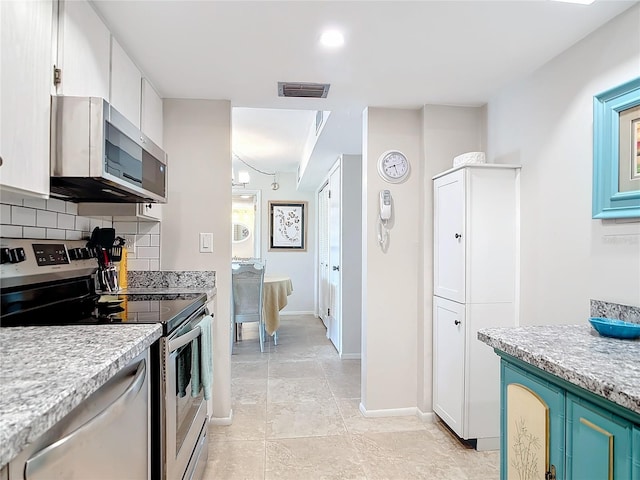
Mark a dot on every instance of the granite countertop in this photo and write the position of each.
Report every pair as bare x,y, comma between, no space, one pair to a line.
47,371
210,291
607,367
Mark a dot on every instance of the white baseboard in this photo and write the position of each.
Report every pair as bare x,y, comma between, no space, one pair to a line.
389,412
351,356
222,420
427,416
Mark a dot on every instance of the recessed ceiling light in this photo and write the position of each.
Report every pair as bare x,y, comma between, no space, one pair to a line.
332,38
581,2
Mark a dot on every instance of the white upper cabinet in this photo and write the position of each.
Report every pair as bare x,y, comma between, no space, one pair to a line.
476,234
151,122
26,83
125,84
84,44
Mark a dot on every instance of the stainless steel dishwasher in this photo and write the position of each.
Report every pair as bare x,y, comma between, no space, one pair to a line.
106,437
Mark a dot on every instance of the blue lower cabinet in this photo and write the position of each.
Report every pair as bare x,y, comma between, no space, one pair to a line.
636,454
599,443
548,425
532,426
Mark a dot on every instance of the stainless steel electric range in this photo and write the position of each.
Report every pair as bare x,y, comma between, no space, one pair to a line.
52,282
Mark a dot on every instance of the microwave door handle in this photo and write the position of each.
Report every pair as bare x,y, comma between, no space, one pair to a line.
182,340
64,446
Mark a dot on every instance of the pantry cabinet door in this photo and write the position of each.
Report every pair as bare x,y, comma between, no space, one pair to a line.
449,236
26,81
449,362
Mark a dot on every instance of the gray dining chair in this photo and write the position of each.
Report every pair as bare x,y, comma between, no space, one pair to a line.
247,281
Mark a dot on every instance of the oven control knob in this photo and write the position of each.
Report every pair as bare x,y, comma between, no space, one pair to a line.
88,253
75,254
17,255
4,255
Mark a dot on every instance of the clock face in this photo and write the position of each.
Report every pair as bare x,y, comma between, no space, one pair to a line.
393,166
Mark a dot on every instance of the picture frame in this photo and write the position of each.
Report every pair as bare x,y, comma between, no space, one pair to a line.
614,144
288,226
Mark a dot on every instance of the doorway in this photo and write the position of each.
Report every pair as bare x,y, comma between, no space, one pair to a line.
245,224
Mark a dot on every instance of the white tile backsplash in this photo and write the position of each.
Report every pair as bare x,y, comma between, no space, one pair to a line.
147,252
58,220
56,234
83,224
126,227
68,222
11,231
55,205
5,213
138,264
34,232
46,219
71,208
143,240
35,203
11,198
149,227
23,216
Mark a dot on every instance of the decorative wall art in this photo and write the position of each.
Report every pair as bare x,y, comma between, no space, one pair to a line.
616,163
287,226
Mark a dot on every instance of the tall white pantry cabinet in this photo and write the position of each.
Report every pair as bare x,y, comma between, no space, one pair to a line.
475,285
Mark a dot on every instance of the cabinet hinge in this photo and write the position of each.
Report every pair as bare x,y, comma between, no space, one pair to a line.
57,75
551,474
328,312
329,193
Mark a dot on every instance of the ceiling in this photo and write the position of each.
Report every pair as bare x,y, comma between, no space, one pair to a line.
396,54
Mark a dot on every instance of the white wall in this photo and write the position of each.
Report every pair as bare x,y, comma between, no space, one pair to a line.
545,124
197,138
296,264
390,279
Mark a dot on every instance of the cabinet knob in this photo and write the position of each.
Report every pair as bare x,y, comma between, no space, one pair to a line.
457,322
458,235
0,161
336,268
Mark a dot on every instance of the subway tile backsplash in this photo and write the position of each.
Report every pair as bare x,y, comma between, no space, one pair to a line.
59,220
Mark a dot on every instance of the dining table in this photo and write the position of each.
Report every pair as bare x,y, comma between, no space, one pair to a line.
276,290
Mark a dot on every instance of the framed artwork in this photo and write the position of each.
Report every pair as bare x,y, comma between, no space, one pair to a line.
616,163
288,225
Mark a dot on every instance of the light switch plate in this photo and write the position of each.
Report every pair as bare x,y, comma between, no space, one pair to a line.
206,243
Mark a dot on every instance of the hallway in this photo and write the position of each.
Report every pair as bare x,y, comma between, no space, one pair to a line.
296,416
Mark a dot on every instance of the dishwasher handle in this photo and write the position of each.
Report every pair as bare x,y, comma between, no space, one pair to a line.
61,447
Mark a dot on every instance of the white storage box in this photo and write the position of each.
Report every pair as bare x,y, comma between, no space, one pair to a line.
469,157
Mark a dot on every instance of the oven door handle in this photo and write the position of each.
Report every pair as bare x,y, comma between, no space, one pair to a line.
182,340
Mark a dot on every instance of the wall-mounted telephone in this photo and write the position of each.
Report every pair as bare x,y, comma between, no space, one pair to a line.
385,205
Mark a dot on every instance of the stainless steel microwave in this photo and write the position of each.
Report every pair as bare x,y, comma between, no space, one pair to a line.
97,155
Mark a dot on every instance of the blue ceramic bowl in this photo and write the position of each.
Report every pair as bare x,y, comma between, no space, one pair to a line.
609,327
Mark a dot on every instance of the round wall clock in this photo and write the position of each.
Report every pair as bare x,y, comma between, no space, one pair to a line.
393,166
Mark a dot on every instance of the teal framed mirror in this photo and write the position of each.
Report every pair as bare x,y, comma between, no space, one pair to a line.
616,152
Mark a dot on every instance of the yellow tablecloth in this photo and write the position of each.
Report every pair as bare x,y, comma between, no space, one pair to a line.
276,290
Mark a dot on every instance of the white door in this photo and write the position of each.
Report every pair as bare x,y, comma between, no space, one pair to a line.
323,255
449,237
335,326
448,362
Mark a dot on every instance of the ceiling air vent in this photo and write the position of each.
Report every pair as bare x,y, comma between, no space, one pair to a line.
303,90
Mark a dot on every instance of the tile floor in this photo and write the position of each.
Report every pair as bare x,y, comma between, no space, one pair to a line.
296,416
